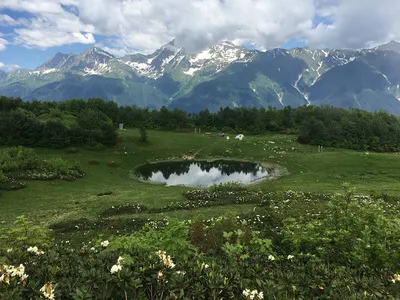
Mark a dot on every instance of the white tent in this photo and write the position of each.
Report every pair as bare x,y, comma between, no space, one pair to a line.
239,137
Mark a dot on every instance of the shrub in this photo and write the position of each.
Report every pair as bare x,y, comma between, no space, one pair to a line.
143,134
354,231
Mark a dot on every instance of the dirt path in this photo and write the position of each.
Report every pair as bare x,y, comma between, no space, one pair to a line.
191,157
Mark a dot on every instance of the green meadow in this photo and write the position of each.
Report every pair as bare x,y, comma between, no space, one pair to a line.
110,171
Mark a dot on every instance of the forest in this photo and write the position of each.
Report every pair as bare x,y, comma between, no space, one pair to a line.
94,122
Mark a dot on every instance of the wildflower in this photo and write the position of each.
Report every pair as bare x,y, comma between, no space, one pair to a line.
166,260
33,249
396,278
24,279
246,292
271,257
115,269
290,257
105,244
205,266
9,250
180,272
120,259
160,275
19,271
48,291
253,294
93,249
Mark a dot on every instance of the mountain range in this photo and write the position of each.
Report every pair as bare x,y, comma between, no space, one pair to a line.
220,76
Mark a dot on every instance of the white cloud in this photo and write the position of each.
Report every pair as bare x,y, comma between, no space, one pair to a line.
6,20
358,24
3,43
9,67
144,25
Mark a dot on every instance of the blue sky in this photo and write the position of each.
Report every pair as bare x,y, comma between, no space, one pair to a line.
32,31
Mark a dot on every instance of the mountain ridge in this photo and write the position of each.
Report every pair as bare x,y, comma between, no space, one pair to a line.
222,75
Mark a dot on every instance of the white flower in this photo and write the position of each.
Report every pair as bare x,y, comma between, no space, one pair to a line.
120,259
246,292
18,271
93,249
290,257
24,277
205,266
271,257
115,269
253,294
160,275
9,250
33,250
396,278
48,291
105,244
166,260
180,272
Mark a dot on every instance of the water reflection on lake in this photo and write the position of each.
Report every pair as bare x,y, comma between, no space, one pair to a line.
202,173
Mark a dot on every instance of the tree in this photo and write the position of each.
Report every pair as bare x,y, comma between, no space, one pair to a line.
143,134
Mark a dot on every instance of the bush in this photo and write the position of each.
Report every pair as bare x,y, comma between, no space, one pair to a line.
164,264
354,231
143,134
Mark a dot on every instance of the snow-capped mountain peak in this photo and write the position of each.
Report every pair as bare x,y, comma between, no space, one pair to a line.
220,55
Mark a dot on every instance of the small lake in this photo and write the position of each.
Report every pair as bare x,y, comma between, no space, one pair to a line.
202,173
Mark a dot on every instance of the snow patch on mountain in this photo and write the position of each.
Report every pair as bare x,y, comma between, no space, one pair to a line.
191,71
220,55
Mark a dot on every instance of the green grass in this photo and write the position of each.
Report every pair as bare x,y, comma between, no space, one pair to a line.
308,171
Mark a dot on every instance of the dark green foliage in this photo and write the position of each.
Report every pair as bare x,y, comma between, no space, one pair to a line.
143,134
42,124
19,163
79,122
211,259
352,129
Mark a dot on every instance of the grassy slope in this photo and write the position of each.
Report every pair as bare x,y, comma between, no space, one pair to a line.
308,171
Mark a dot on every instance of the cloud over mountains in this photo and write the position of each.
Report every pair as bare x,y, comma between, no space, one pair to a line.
123,26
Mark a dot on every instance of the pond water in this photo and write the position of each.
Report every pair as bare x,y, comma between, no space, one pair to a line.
202,173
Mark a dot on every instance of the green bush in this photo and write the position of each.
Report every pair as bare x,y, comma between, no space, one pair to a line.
354,231
164,264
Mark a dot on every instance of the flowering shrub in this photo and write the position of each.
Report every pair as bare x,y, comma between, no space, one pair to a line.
19,163
354,231
128,208
173,262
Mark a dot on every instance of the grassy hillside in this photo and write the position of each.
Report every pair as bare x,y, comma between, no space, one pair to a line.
307,170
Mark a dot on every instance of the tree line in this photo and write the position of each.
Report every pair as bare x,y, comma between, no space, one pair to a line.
46,124
78,121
